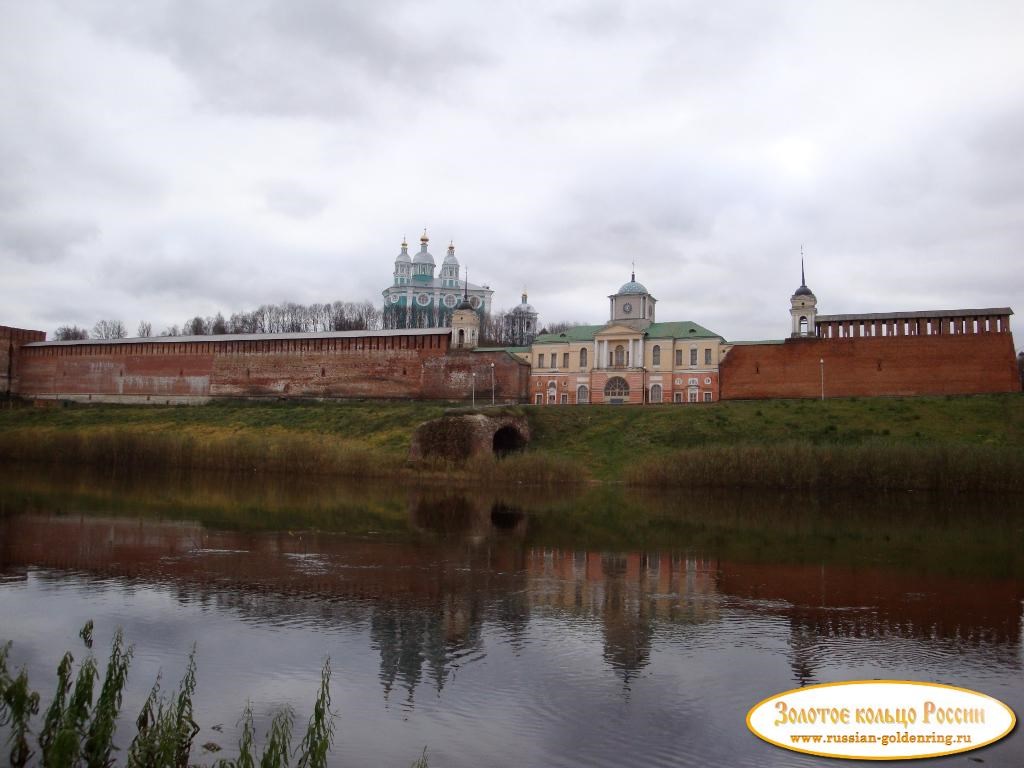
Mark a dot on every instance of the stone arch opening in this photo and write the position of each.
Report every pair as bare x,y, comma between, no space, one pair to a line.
506,517
507,440
803,326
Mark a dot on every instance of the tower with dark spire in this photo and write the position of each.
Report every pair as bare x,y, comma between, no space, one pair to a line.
465,322
803,307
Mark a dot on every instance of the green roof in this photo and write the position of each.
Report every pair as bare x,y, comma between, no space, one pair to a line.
576,333
680,330
511,350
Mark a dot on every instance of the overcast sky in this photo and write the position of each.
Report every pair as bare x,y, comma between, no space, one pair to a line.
160,160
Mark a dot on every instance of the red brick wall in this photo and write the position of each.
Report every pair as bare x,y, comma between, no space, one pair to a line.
899,365
416,367
451,377
11,340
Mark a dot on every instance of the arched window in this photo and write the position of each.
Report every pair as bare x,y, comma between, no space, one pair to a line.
583,358
620,355
616,387
656,357
552,391
582,394
656,393
462,338
803,326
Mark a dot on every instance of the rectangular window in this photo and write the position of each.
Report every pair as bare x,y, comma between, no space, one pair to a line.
707,397
540,399
540,361
565,399
554,359
693,357
707,356
679,357
678,397
693,397
565,359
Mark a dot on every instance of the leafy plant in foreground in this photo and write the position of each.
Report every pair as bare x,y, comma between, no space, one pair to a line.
77,732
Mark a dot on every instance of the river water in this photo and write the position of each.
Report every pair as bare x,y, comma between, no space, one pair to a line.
526,627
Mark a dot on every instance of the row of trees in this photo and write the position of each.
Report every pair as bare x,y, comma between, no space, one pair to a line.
290,318
269,318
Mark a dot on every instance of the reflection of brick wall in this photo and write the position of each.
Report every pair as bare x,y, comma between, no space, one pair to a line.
11,340
906,365
386,366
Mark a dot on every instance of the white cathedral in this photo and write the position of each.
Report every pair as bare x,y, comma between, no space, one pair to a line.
417,299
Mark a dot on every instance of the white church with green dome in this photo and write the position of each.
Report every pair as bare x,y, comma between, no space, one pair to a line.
418,299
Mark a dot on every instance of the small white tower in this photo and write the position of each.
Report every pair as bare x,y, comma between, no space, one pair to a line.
465,323
403,265
803,308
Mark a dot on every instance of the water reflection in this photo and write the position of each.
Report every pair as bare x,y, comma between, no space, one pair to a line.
435,582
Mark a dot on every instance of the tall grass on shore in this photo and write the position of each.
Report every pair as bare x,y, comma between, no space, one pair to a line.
526,468
79,732
876,466
119,449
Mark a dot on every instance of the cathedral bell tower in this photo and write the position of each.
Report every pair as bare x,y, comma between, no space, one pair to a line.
803,309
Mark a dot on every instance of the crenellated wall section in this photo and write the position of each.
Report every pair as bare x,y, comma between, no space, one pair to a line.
924,353
407,364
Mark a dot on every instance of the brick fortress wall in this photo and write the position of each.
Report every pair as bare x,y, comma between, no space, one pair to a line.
11,341
383,365
889,365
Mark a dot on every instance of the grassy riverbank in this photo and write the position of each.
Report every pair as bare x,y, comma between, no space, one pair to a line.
950,443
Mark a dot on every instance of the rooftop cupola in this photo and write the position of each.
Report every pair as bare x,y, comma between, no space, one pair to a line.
423,262
450,268
633,304
403,265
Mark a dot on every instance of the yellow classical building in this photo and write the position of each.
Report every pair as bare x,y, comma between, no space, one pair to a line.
630,359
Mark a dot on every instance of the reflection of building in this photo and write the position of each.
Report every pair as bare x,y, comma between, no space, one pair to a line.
417,299
628,593
630,359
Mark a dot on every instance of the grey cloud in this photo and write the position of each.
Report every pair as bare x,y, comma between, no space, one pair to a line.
44,241
293,199
319,57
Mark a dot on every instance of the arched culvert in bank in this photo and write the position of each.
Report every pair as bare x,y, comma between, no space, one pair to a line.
505,517
507,440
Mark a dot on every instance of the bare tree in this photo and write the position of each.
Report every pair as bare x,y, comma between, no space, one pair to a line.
145,329
109,329
171,330
70,333
562,326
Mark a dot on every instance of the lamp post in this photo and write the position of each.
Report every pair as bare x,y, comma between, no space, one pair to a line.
821,362
474,389
492,383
